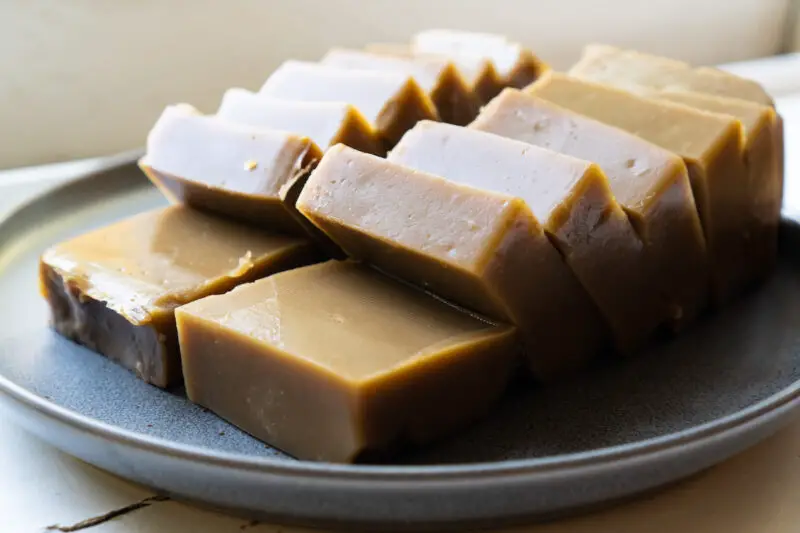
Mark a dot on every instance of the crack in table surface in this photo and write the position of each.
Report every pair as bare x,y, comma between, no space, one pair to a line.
108,516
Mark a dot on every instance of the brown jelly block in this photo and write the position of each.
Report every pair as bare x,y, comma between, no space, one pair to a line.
571,199
716,91
326,123
763,157
479,73
115,289
335,362
231,169
392,101
641,73
649,182
514,65
712,147
439,77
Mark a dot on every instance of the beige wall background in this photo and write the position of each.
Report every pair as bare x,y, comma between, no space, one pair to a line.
88,77
795,26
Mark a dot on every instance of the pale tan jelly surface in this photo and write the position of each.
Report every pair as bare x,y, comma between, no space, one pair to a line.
711,145
439,77
233,169
335,361
115,289
638,72
326,123
393,102
649,182
515,65
480,249
572,201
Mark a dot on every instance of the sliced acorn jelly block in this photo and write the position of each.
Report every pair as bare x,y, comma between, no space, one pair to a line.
712,147
335,362
454,100
763,157
326,123
643,73
573,203
231,169
716,91
515,65
115,289
479,72
650,183
393,102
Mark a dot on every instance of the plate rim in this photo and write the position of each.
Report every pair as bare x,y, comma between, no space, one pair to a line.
787,399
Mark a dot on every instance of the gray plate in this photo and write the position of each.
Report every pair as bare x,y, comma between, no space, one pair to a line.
626,428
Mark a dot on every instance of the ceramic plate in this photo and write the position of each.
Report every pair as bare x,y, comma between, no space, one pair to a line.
620,430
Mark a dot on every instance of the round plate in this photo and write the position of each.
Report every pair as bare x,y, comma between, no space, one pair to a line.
616,431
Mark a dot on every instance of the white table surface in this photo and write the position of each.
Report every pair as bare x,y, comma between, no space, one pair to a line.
40,487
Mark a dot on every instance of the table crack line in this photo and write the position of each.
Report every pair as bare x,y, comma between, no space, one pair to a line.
110,515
